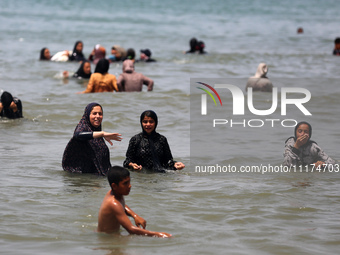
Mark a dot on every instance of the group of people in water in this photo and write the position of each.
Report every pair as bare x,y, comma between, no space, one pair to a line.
118,53
101,80
87,152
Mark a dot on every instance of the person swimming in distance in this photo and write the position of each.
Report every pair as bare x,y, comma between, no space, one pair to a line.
260,81
131,54
45,54
200,47
336,51
114,212
83,72
98,52
77,53
10,107
300,30
101,80
193,46
118,53
130,80
145,56
150,150
300,150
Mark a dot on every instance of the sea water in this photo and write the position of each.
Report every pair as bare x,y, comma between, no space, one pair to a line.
47,211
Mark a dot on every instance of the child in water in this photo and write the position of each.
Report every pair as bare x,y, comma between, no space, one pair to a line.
300,150
114,212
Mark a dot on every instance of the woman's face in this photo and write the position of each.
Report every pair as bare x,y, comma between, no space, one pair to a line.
79,47
87,67
148,124
303,129
47,54
96,116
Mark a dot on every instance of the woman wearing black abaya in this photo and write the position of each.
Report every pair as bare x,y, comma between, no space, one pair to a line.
87,152
149,149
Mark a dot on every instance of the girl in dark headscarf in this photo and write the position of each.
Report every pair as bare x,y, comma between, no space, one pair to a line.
300,150
84,70
149,149
77,53
87,152
10,107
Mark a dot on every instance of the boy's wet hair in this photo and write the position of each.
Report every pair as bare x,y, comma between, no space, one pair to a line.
116,174
337,40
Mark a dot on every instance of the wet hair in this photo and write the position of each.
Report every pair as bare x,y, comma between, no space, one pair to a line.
299,124
131,54
116,174
102,66
151,114
6,99
337,40
193,44
42,54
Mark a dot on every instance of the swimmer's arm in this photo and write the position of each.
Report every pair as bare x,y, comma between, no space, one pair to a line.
124,220
107,136
114,84
83,136
139,221
148,82
13,106
135,166
1,107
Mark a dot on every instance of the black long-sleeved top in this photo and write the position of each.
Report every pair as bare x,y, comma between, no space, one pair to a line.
150,151
9,112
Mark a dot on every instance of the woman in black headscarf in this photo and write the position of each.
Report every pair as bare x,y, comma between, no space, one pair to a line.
77,53
149,149
300,150
87,152
10,107
83,72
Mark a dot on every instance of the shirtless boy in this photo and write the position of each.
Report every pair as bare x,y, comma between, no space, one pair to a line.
114,212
